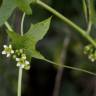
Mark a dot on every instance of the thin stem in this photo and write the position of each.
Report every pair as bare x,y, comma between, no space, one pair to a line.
89,27
85,9
19,81
20,69
73,68
89,21
60,70
22,22
8,26
69,22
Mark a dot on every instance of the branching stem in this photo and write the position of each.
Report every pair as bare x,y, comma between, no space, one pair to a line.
64,19
73,68
69,22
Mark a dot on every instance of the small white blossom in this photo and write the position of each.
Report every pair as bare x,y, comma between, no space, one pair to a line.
22,62
92,60
8,50
91,57
27,62
23,56
20,65
21,50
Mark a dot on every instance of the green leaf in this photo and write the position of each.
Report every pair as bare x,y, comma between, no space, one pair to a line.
32,1
35,54
36,33
39,30
24,6
8,6
16,40
5,10
29,40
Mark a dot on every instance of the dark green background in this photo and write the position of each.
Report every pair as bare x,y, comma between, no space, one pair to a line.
40,79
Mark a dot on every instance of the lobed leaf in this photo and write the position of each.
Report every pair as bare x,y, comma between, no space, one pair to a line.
39,30
29,40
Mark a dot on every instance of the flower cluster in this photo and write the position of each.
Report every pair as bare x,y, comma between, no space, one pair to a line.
22,62
18,55
91,52
8,50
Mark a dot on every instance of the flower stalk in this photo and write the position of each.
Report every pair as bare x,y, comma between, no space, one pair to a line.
20,68
19,81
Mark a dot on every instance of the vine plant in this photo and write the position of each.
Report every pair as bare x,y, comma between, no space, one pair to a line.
23,52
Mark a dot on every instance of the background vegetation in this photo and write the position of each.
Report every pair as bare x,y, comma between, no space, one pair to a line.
63,45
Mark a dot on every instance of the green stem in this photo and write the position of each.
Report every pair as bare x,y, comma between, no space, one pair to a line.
89,21
85,9
19,81
20,69
73,68
69,22
8,26
89,27
22,22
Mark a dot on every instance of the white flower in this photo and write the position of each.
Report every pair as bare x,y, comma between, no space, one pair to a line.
23,56
22,62
91,57
8,50
21,50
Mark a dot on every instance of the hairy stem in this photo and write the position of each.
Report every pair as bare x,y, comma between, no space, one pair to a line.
69,22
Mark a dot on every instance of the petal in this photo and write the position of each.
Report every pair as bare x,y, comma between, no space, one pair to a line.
3,52
24,57
18,64
89,57
21,50
8,55
10,46
27,62
17,59
92,60
5,46
12,51
22,66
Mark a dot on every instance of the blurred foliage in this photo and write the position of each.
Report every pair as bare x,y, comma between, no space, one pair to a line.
39,81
